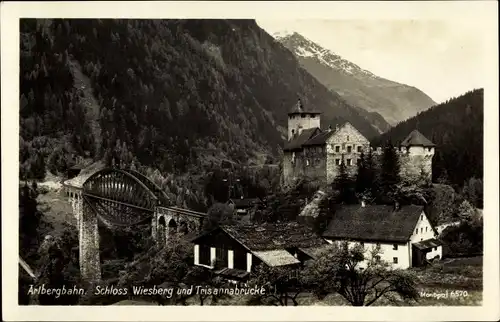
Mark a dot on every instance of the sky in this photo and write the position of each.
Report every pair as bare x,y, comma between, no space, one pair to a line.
443,58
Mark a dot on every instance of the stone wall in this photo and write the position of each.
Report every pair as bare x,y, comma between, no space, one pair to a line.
346,144
414,161
309,163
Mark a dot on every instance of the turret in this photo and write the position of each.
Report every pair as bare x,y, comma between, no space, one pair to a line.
300,119
417,144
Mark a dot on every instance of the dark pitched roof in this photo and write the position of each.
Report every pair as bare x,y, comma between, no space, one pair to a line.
373,222
417,138
270,236
298,140
319,139
298,108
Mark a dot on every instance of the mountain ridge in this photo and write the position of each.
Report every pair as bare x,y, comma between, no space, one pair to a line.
394,101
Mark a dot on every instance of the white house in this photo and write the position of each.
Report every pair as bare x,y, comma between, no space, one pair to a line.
405,235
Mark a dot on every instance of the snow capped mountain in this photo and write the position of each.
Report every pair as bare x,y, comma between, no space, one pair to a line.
303,47
392,101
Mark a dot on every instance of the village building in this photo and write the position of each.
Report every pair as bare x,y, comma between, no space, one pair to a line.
317,154
234,251
404,234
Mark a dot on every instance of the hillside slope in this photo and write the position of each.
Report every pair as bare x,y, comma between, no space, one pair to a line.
395,102
456,127
167,90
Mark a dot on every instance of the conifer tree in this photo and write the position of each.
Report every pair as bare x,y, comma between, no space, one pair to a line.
343,183
389,172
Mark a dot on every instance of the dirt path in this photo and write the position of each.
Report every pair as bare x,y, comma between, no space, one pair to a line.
82,82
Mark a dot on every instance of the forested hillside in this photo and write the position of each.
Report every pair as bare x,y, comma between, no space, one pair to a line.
456,127
167,92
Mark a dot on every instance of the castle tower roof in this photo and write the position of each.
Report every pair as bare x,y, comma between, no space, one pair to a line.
415,138
298,108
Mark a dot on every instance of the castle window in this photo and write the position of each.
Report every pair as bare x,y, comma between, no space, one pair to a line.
359,148
395,260
348,138
425,229
349,149
293,132
395,247
349,162
337,161
337,149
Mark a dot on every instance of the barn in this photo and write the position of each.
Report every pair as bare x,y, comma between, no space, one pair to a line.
233,251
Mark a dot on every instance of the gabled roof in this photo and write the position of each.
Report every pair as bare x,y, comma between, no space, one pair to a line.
319,139
297,141
271,236
298,108
374,222
415,138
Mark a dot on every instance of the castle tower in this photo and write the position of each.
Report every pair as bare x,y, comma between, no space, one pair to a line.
301,119
416,155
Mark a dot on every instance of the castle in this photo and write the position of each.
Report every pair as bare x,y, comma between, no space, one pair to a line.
317,154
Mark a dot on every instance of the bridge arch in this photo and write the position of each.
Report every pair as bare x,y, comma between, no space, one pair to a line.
124,198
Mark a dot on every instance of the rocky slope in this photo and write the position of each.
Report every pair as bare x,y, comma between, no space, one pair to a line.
395,102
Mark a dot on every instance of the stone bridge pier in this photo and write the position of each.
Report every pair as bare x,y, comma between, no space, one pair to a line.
170,222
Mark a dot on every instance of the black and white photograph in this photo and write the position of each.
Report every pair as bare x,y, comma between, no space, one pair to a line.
251,162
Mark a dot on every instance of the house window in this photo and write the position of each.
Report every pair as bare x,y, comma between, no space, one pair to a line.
425,229
359,148
435,248
349,162
204,257
337,148
416,232
421,217
240,260
395,247
349,149
395,260
421,230
348,138
337,161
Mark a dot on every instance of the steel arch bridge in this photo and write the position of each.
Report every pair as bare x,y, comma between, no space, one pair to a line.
123,198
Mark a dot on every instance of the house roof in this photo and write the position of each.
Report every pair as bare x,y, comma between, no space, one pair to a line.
298,140
298,108
374,222
429,243
310,137
415,138
270,236
276,257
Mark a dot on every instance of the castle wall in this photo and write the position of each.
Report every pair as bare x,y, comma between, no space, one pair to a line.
306,121
309,162
413,161
346,144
